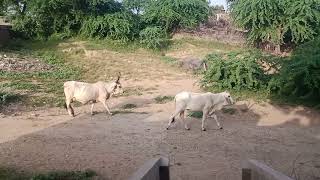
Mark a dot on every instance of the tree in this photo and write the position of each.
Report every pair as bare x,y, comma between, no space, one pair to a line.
137,6
273,21
173,14
42,18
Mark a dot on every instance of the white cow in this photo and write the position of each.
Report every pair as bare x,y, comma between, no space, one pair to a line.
90,93
208,103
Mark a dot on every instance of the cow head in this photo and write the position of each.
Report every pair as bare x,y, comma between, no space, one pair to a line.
228,98
117,88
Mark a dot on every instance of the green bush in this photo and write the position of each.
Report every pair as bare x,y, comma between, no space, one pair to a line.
299,77
275,21
154,38
236,70
6,98
117,26
173,14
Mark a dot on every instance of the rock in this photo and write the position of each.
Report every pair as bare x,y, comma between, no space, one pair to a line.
192,63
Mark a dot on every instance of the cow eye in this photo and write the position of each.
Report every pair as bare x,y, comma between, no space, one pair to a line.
228,96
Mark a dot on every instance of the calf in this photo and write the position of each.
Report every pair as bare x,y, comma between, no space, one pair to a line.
208,103
90,93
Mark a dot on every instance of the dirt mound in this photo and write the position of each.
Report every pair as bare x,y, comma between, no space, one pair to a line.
222,30
14,63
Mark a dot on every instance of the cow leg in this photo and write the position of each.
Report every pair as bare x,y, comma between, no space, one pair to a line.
172,119
92,105
204,117
104,102
183,120
69,108
218,123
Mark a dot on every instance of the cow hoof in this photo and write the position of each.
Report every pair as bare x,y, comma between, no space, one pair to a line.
188,129
221,128
203,129
167,128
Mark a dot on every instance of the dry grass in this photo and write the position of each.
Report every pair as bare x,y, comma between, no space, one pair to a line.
185,46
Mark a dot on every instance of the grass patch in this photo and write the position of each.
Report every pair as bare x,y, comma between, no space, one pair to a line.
132,91
66,175
163,99
229,110
122,112
12,174
96,44
6,98
195,114
203,43
20,85
49,84
129,106
169,60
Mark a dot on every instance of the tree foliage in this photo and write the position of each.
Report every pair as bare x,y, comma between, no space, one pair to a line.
299,76
173,14
153,38
119,20
273,21
42,18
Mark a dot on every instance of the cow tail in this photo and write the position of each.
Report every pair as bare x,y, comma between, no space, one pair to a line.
173,117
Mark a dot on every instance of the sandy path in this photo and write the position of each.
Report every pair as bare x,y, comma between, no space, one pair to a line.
115,146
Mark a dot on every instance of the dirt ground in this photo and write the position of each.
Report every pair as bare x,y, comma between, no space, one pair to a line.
286,138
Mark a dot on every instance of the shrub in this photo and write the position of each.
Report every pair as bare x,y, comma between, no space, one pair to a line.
299,76
237,70
154,38
117,26
173,14
6,98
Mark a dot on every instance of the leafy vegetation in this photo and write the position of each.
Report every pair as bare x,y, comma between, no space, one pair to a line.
299,77
277,22
173,14
235,70
6,97
117,26
118,20
296,78
153,38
